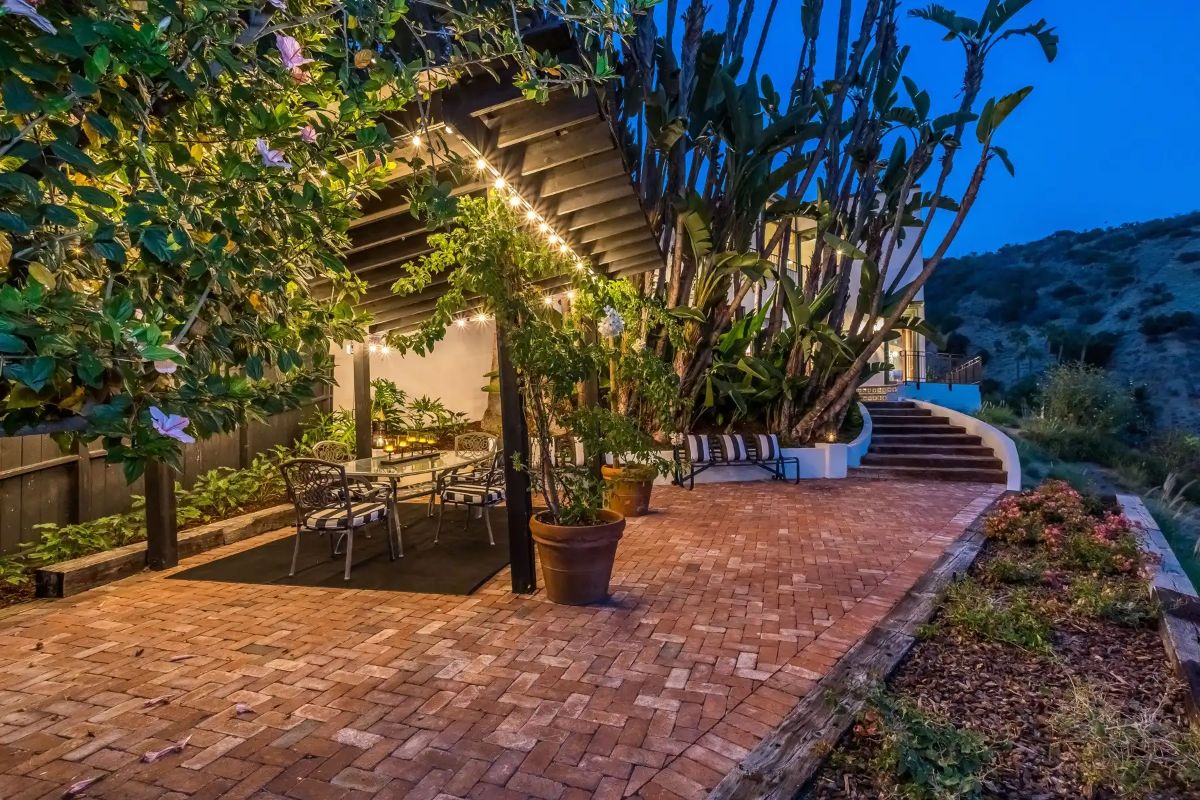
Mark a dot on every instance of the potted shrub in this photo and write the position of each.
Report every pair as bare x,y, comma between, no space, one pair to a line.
556,343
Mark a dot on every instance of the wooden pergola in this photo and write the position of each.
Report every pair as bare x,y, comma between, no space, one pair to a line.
564,161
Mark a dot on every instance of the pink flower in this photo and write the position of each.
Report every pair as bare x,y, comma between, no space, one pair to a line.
28,10
271,158
170,425
309,134
289,51
168,366
300,76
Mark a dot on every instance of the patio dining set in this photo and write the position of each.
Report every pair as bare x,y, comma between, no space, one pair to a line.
336,496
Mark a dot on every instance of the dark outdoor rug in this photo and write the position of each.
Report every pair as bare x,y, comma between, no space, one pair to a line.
459,563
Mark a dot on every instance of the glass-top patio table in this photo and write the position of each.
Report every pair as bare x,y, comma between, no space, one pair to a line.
436,465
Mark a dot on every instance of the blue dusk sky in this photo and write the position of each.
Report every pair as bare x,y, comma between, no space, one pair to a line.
1108,135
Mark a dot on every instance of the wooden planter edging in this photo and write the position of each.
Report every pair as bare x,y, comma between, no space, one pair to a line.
1174,591
786,760
80,574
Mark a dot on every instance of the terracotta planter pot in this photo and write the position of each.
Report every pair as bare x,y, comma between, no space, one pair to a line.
627,492
577,560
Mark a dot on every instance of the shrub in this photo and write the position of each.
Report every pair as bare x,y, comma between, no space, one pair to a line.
1189,257
924,758
971,610
1065,291
1085,397
997,414
1013,571
1184,324
1090,315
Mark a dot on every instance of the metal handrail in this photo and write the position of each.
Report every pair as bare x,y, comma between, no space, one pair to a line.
917,367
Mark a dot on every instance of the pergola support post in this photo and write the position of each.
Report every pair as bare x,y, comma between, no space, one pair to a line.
162,533
518,502
362,401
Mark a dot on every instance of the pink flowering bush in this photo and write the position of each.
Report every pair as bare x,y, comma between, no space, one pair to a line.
1054,517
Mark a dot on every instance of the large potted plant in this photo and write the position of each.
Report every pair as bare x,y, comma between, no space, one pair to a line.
490,253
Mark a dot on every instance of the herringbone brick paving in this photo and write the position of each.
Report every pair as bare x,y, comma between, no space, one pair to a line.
730,604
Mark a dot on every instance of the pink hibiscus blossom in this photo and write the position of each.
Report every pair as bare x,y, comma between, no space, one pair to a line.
29,10
309,134
170,425
289,51
271,158
168,366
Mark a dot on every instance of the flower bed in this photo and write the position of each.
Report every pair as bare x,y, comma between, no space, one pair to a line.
1042,675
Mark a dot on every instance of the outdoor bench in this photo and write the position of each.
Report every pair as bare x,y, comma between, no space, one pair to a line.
697,452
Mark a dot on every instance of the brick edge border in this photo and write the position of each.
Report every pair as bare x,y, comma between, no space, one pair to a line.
1171,587
77,575
786,760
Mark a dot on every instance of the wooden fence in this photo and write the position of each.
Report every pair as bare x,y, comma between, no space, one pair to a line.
39,483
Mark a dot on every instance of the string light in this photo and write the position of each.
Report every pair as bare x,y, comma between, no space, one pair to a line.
416,141
460,322
499,184
571,294
514,201
548,300
481,318
530,215
480,164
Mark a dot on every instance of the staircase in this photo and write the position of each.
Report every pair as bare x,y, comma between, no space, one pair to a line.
912,442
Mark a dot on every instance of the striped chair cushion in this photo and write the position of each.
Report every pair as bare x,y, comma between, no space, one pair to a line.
733,447
473,494
697,448
333,519
766,446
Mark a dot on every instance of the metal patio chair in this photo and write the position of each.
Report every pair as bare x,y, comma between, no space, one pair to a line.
360,488
474,493
324,504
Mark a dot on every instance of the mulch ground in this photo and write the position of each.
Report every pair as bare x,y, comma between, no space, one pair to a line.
1011,697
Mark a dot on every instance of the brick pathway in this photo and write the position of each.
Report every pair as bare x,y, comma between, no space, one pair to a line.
730,603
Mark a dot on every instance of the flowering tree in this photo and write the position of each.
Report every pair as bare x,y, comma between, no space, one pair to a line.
173,176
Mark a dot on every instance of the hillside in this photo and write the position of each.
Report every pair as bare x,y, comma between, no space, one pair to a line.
1125,298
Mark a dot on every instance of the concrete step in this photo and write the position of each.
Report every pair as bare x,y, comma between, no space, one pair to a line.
933,461
887,405
913,422
931,449
941,438
925,473
900,413
887,429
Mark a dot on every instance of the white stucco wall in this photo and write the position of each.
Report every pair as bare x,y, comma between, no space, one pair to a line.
453,372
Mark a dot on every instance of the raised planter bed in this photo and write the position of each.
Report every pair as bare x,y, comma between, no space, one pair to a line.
80,574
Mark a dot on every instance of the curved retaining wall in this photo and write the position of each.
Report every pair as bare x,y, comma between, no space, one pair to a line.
1001,444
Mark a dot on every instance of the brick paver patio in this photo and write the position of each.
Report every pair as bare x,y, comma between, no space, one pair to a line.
730,604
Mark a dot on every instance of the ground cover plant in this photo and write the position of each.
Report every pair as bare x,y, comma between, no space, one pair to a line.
1041,675
216,494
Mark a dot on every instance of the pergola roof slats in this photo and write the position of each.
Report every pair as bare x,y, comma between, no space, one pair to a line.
561,157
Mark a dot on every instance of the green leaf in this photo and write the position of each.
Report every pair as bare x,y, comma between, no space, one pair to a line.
34,374
12,344
40,273
17,97
97,197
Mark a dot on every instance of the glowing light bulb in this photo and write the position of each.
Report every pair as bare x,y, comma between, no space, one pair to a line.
323,173
579,265
554,238
481,318
449,130
570,294
514,201
543,227
548,300
564,247
498,184
373,348
416,141
531,215
480,164
460,322
385,349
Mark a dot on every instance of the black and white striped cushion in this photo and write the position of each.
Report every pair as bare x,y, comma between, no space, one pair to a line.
733,447
472,493
697,448
767,446
332,519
